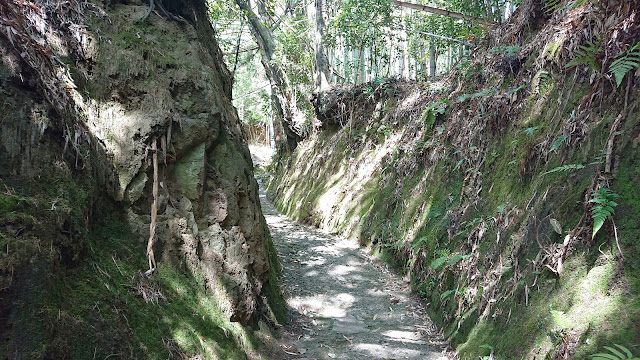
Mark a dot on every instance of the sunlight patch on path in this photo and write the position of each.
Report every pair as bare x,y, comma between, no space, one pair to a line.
346,304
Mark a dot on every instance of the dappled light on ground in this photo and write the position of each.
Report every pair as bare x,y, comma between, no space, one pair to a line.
346,304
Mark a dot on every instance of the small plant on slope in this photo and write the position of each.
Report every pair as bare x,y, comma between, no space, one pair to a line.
551,5
586,55
603,208
625,61
615,354
565,168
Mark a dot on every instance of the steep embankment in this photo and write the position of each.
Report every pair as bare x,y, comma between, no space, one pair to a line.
107,117
486,189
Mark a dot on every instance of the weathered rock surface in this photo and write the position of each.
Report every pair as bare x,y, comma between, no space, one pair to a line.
81,112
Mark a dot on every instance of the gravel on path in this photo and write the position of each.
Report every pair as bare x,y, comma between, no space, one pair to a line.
344,303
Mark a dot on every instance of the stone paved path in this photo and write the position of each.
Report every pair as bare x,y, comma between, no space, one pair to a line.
345,304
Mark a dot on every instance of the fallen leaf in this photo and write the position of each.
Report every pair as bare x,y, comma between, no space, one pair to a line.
555,224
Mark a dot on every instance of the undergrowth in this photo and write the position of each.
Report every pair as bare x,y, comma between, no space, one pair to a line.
106,307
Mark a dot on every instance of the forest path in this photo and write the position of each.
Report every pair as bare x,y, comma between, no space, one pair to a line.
344,303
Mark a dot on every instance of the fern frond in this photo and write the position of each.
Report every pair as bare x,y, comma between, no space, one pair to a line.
435,264
627,351
565,168
615,354
624,62
551,5
586,55
558,142
540,80
603,208
579,3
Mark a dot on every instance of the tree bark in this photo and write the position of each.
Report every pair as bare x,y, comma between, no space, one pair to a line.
283,101
322,66
432,61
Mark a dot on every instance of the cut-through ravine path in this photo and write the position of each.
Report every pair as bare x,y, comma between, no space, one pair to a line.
344,303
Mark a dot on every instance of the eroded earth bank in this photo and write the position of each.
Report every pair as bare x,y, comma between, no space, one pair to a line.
507,192
117,120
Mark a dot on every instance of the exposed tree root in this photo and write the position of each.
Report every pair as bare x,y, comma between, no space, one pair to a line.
163,11
149,11
154,210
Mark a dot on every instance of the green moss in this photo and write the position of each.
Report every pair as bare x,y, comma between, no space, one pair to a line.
8,204
128,40
98,308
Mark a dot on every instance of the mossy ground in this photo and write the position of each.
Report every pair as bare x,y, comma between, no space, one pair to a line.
103,303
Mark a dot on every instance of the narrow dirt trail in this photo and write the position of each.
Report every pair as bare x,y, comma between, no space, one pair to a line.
345,304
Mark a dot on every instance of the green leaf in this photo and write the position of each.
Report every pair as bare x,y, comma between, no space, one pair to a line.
517,89
615,352
603,356
565,168
435,264
586,55
551,5
604,208
446,293
530,131
624,62
558,142
555,224
418,242
456,258
629,354
458,164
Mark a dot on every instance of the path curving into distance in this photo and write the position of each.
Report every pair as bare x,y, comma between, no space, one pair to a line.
344,303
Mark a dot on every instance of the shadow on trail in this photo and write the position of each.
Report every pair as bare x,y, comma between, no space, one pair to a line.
345,304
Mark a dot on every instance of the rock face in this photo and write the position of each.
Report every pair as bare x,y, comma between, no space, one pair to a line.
82,109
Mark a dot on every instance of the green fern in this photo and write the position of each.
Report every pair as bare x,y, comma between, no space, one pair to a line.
435,264
551,5
615,354
565,168
417,243
625,61
540,81
603,208
558,142
446,294
586,55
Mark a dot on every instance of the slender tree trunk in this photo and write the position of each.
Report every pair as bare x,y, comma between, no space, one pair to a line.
283,102
422,59
361,65
404,72
322,66
432,61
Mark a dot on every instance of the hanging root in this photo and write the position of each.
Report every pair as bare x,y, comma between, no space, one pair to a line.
152,6
162,10
154,210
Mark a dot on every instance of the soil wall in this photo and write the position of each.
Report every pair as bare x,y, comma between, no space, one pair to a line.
485,188
93,94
